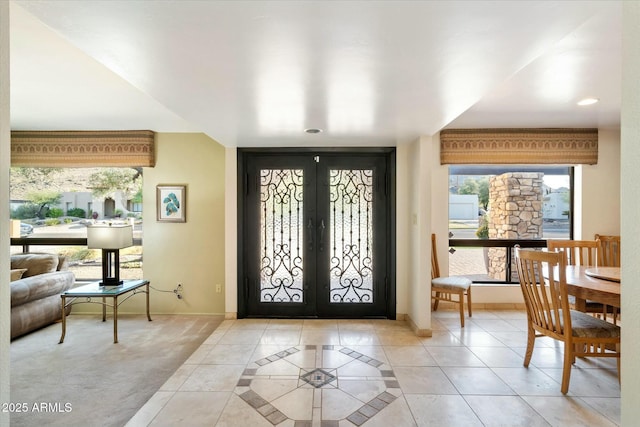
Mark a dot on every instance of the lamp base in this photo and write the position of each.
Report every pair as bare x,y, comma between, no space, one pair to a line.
111,281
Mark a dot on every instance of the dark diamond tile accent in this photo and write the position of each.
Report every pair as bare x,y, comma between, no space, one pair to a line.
310,347
368,411
317,377
249,372
327,347
262,362
292,350
273,358
282,354
387,397
365,359
244,382
379,404
357,418
266,409
304,423
375,363
387,373
253,399
356,355
346,351
329,423
392,384
276,417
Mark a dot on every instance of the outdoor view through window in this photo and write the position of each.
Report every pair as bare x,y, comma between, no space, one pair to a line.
504,202
58,203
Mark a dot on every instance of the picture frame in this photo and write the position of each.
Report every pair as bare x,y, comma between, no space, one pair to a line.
171,203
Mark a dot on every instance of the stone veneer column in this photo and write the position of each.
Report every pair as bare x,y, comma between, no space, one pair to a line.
515,201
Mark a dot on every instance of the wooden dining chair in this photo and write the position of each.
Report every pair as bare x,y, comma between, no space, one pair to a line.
549,314
609,256
445,288
581,253
608,251
577,252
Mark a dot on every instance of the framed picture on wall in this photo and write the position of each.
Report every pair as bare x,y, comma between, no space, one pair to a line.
171,202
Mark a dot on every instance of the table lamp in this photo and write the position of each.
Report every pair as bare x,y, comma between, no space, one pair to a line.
110,238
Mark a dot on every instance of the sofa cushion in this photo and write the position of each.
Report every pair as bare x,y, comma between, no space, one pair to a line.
35,263
16,273
41,286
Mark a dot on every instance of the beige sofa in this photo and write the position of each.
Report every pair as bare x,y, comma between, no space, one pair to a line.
37,280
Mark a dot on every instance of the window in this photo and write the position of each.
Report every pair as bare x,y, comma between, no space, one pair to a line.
51,201
491,204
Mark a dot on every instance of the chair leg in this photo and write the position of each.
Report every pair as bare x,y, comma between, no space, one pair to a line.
531,339
566,367
461,298
618,360
469,300
436,301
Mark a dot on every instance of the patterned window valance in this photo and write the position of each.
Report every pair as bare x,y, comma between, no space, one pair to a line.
519,146
82,148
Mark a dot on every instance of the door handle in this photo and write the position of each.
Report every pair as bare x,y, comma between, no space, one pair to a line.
310,233
321,227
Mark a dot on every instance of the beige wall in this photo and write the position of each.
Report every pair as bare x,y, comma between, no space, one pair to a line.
413,232
190,253
5,142
630,207
598,190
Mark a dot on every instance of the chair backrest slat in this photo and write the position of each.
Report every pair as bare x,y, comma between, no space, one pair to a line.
609,251
577,252
546,301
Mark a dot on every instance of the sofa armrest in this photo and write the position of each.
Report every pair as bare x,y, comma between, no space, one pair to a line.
40,286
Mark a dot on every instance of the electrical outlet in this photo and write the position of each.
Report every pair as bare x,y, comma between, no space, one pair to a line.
218,288
178,291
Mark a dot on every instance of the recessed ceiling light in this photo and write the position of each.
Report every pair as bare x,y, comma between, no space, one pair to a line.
588,101
313,130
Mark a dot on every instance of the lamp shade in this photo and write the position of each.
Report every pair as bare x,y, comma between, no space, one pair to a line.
109,236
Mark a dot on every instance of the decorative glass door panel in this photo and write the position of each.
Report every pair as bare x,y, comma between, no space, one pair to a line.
281,245
315,236
351,236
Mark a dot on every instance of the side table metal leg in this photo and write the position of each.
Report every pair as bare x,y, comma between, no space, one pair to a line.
64,320
104,309
115,320
148,315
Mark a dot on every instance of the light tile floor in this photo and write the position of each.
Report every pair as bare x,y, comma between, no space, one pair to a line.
345,373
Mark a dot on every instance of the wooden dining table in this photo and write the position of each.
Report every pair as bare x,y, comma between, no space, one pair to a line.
600,284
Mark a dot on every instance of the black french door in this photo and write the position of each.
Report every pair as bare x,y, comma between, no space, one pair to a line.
315,235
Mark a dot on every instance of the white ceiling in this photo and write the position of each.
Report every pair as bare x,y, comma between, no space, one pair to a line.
252,73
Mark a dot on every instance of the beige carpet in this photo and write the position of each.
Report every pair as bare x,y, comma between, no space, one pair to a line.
90,381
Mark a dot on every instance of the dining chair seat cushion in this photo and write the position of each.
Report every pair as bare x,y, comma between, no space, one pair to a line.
586,326
452,282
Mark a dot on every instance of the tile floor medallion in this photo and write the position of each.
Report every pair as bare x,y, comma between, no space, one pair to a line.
378,373
375,376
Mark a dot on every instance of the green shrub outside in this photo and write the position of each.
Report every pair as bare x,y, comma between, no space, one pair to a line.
77,212
55,213
79,253
26,211
51,221
68,220
483,230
